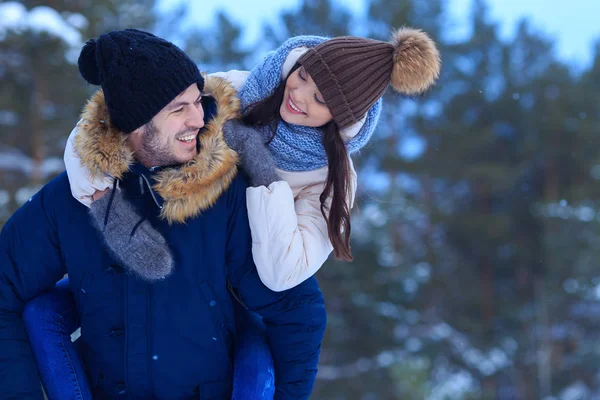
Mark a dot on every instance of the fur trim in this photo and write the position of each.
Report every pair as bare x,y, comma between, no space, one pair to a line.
102,147
417,61
187,190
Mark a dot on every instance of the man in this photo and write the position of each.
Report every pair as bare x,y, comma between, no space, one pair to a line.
155,310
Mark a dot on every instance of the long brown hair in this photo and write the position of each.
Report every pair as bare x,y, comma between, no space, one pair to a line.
337,186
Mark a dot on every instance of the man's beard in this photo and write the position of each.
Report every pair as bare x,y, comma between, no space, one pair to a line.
155,153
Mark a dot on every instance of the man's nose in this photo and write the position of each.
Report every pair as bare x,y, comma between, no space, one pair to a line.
196,120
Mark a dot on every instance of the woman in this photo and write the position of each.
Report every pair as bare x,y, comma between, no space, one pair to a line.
314,101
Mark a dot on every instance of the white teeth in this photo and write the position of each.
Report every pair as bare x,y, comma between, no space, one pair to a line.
294,107
187,138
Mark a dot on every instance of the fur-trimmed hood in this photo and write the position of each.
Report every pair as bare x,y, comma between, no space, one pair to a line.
186,190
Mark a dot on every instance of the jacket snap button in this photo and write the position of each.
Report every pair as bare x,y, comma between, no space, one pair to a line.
116,332
121,390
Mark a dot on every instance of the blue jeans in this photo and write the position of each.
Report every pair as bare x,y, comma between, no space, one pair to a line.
51,318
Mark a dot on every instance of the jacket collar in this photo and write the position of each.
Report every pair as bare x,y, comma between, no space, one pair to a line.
140,180
186,190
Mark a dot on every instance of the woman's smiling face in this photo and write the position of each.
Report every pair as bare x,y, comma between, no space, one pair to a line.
303,104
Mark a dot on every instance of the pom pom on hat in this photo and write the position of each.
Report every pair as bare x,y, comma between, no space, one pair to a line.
88,65
417,61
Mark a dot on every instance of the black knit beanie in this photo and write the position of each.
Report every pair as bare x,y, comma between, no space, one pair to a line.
139,73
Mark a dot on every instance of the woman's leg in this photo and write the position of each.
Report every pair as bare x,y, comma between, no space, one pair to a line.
50,319
254,376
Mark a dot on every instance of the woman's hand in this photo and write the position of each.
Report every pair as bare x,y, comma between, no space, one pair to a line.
256,158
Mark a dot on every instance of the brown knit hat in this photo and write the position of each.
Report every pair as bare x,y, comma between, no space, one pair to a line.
352,73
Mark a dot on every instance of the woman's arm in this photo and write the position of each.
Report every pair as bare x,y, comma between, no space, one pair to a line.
83,184
290,241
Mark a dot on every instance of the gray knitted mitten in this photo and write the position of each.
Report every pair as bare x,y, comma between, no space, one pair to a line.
256,158
132,240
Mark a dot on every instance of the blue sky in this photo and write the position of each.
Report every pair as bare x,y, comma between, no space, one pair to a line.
574,29
573,23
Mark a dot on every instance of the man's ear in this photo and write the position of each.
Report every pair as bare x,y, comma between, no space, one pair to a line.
134,138
138,131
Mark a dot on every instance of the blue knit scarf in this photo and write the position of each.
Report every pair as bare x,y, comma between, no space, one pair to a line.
296,147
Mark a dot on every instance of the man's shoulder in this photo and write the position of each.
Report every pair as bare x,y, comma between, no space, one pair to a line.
235,194
240,181
238,185
52,196
55,195
58,186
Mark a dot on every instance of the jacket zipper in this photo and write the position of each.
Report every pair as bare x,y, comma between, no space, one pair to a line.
151,191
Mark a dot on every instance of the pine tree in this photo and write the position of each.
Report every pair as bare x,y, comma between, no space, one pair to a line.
42,91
